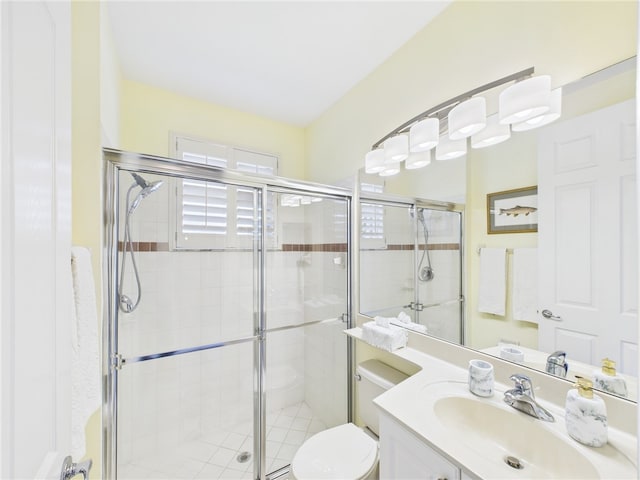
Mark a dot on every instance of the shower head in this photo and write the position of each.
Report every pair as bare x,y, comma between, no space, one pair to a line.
412,212
147,189
425,273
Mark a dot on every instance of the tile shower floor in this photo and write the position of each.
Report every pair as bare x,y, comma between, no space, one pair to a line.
215,456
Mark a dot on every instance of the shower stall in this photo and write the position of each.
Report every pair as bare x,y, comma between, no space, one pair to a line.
228,294
410,255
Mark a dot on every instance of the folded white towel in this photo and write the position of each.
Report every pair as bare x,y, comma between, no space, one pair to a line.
382,321
525,284
388,339
492,295
404,318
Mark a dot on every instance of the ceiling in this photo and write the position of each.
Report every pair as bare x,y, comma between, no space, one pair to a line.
288,61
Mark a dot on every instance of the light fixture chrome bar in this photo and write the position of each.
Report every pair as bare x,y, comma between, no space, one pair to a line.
443,108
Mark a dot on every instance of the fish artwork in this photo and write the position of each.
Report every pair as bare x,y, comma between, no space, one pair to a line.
517,210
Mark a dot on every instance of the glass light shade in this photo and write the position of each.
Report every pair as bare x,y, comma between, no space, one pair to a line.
492,134
396,149
424,135
467,118
418,160
553,114
390,169
374,161
448,149
525,99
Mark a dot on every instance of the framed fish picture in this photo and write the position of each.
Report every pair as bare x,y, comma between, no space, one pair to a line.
513,211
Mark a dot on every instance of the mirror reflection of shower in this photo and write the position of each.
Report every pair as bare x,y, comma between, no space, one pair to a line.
425,272
126,303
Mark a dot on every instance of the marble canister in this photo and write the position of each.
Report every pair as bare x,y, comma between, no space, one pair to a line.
481,378
586,419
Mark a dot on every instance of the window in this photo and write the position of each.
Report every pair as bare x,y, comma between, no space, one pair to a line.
216,215
372,219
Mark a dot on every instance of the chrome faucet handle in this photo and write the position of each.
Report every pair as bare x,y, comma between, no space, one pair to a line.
557,363
523,384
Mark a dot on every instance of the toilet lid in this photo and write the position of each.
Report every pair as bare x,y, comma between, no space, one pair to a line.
342,452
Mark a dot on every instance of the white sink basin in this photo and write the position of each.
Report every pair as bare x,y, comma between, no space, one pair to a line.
501,442
497,433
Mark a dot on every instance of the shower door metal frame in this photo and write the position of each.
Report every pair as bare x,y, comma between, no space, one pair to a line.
393,200
112,361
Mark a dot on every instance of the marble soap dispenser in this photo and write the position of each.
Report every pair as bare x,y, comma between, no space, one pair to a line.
586,415
608,380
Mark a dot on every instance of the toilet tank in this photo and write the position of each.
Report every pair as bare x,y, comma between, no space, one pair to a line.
375,378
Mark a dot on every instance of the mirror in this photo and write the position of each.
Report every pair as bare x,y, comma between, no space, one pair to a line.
467,181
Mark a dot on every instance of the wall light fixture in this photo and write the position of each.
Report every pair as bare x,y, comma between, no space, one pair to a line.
526,104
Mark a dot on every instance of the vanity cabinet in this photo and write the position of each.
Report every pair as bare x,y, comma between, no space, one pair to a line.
403,456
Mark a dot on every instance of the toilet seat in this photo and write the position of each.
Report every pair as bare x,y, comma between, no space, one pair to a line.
342,452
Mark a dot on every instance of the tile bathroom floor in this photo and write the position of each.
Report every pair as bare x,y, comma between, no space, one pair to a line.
216,455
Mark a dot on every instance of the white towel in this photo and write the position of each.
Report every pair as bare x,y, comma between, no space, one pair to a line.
525,284
404,318
85,356
382,321
388,339
493,285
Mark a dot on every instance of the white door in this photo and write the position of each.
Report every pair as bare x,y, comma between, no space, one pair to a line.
35,237
588,247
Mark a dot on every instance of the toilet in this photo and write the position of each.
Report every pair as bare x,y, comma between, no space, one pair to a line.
348,452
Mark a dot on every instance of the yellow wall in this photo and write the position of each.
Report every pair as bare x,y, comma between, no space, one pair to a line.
470,44
148,114
86,160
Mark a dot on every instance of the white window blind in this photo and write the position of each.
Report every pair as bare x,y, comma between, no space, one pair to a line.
215,215
372,219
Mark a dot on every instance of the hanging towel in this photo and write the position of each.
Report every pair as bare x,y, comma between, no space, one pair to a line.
525,284
85,356
493,291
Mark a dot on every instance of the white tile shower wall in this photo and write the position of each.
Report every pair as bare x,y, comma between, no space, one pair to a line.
386,279
386,284
192,298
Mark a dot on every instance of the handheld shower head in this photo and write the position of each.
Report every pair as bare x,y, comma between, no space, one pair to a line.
425,273
147,189
412,212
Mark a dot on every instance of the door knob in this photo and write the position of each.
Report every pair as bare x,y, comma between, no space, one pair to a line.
70,469
549,314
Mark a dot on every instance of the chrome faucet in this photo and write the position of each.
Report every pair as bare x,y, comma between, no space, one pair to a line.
556,364
521,397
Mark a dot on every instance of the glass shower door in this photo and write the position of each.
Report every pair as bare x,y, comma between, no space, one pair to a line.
439,273
410,262
186,351
307,301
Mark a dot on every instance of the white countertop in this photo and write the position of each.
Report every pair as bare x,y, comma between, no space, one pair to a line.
411,404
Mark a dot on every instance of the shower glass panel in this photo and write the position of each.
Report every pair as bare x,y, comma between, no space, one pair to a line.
387,259
185,406
307,302
197,292
188,416
411,261
227,304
